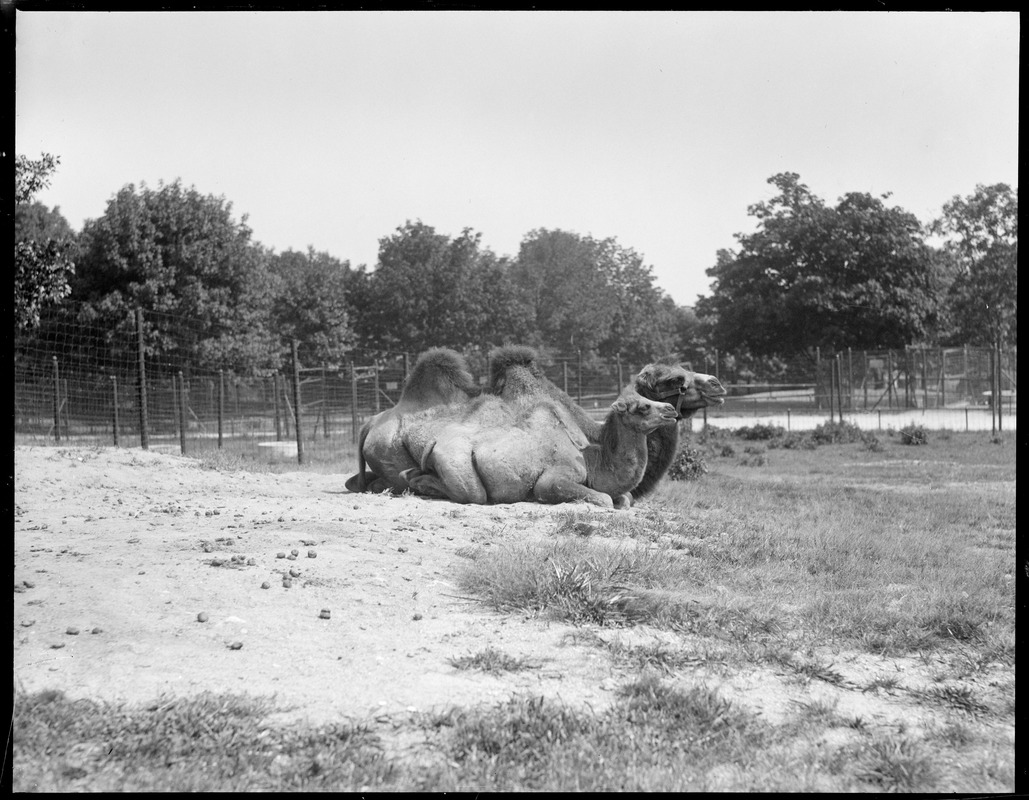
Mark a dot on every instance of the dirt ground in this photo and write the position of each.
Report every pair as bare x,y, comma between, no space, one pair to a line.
115,558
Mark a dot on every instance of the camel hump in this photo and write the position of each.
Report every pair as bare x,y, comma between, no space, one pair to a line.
439,374
509,357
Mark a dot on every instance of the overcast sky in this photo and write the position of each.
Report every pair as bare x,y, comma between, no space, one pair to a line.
330,129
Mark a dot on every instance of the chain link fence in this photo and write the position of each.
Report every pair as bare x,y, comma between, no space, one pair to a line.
96,382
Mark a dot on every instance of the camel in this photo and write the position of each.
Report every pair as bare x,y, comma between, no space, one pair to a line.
528,446
440,379
514,367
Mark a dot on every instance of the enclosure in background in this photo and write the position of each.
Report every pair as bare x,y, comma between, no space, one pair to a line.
98,383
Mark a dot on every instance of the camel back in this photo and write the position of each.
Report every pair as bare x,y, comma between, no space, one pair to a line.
439,376
515,370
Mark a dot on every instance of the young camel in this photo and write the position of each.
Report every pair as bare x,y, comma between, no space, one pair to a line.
527,447
440,379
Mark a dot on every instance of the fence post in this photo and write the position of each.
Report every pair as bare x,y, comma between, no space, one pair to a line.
578,379
618,356
325,404
144,417
818,376
839,386
182,412
925,379
864,381
353,401
850,379
1000,389
296,402
832,389
889,378
57,401
114,407
275,404
221,406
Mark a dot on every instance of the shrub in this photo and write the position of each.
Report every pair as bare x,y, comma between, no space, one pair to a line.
798,441
837,433
914,434
761,432
689,464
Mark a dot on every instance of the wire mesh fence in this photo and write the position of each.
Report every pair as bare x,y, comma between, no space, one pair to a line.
99,380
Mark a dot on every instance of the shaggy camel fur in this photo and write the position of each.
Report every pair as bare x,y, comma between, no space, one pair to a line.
440,379
526,446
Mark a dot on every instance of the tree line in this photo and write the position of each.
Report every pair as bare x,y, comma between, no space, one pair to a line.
855,274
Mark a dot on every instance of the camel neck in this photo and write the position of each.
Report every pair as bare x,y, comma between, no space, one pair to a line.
618,461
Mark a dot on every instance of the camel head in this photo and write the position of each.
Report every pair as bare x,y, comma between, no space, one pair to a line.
686,390
641,414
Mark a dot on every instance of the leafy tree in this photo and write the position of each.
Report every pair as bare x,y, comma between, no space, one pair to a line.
564,279
429,290
312,304
981,248
43,266
645,320
855,275
181,257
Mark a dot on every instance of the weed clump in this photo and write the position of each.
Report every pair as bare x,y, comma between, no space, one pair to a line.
761,432
837,433
689,464
914,434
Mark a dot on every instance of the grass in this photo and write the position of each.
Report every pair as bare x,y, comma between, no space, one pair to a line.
896,551
493,661
206,743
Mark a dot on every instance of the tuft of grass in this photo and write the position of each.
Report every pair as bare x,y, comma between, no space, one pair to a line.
882,681
582,581
895,764
961,697
654,656
819,712
493,661
205,743
655,737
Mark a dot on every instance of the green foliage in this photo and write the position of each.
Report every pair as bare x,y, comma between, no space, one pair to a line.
982,255
314,304
914,434
855,275
431,290
688,465
593,295
180,254
43,265
837,433
761,432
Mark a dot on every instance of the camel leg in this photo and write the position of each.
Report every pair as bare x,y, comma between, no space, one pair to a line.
361,482
623,501
557,487
425,483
